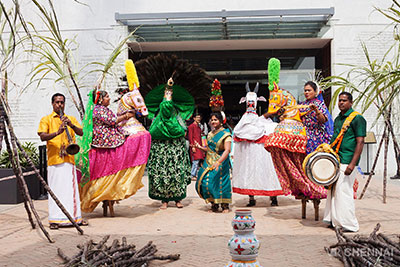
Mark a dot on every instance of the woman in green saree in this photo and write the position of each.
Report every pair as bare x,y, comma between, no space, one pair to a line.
214,184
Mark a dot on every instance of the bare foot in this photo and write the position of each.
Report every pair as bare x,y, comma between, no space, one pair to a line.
225,211
179,205
164,206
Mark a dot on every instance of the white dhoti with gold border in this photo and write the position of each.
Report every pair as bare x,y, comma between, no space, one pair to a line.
340,206
63,182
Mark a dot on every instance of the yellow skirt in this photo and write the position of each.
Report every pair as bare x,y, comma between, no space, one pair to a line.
118,186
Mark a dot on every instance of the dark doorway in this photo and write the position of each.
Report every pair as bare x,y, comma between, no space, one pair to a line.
233,68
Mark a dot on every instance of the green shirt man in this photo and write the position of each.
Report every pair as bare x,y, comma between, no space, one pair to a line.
353,139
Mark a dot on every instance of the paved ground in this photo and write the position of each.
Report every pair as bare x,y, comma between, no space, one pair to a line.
200,237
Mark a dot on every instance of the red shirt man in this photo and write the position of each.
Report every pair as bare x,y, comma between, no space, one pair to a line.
194,135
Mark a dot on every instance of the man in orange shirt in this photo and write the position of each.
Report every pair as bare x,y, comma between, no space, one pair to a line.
61,166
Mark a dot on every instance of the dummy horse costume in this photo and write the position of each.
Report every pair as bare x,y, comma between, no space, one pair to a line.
287,145
253,171
116,173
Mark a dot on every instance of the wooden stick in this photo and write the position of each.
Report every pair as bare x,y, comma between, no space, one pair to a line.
376,229
374,164
385,163
51,193
18,173
102,242
62,255
14,176
20,190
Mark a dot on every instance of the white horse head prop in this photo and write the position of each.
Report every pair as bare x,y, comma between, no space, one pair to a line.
251,98
132,101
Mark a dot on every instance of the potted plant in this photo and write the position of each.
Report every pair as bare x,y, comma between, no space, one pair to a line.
9,192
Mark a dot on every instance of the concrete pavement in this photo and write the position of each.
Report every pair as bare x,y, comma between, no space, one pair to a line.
200,237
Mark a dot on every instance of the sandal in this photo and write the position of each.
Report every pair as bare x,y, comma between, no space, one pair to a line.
214,207
252,203
225,207
84,223
274,201
54,226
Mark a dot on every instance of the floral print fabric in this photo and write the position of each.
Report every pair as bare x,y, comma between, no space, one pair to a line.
106,133
316,132
168,169
288,166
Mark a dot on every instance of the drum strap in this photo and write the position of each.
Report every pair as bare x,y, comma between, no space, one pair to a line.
346,125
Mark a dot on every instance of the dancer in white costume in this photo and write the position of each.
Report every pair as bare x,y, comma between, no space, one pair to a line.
253,172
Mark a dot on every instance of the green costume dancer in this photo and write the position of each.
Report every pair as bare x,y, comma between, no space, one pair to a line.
169,164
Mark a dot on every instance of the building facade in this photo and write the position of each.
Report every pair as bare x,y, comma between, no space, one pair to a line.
231,40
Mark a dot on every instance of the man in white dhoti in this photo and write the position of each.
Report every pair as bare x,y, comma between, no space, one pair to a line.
340,208
61,169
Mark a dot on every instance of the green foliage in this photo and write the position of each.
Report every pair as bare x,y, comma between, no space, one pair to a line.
274,68
377,83
29,148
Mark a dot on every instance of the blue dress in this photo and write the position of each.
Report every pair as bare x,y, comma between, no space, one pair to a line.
215,186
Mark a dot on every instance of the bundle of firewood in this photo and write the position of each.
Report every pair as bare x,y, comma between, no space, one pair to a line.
118,254
376,249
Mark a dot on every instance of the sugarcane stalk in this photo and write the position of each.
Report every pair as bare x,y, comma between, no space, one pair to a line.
20,189
81,107
376,229
392,133
18,173
62,255
374,164
102,242
51,193
385,159
146,259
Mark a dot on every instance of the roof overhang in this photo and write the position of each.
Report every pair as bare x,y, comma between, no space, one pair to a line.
226,25
218,45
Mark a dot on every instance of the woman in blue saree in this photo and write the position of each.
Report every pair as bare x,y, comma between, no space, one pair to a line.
214,184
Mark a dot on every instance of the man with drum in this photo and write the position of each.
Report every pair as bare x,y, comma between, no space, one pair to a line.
350,127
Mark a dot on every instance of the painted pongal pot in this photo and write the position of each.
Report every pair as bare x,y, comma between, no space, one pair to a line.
244,245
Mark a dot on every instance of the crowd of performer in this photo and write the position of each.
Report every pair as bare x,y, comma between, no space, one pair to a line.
261,156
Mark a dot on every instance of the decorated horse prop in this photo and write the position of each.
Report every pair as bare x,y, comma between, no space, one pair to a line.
132,101
116,173
287,144
290,133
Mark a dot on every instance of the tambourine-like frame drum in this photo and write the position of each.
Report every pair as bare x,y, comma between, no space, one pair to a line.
322,168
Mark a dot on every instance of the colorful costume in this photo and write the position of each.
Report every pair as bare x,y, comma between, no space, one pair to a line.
287,144
317,133
215,185
117,162
253,172
169,165
62,176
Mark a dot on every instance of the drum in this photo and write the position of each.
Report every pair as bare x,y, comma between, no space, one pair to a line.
321,168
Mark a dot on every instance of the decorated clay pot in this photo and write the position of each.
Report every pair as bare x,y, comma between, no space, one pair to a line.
244,245
243,221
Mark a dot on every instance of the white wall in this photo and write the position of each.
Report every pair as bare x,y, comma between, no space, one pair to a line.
93,25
